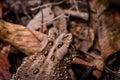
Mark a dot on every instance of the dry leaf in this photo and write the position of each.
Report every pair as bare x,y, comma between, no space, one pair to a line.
4,63
35,23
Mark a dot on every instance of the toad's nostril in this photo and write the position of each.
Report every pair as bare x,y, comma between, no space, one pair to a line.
26,75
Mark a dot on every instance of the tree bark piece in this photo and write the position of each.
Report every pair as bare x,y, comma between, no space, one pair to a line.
26,40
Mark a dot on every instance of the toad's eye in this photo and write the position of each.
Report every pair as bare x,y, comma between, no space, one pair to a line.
60,45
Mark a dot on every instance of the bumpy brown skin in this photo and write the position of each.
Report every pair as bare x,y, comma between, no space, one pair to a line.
50,66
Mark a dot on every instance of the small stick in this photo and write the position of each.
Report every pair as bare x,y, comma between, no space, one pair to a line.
45,5
42,21
53,19
79,14
82,62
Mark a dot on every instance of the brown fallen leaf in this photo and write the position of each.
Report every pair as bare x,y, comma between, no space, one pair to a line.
109,38
35,23
4,63
26,40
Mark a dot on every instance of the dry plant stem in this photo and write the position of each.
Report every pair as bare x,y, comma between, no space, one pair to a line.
111,71
34,35
53,19
59,16
25,11
15,3
82,62
93,56
22,6
46,5
82,15
68,12
21,37
100,10
88,64
76,6
42,21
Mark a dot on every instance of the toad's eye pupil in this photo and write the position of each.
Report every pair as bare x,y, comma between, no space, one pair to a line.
26,75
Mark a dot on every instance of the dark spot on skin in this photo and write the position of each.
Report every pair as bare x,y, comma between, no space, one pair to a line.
60,45
101,22
50,43
36,71
65,37
43,72
55,34
38,29
52,58
46,53
54,50
26,75
55,73
8,32
50,13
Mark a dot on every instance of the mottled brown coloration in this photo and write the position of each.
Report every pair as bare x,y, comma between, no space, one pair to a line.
50,67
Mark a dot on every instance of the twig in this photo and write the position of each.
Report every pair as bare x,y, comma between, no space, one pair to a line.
33,34
23,7
111,71
79,14
45,5
76,6
82,15
25,11
82,62
42,21
53,19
